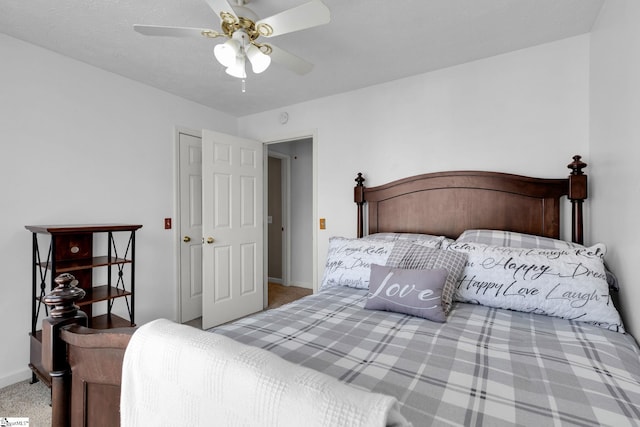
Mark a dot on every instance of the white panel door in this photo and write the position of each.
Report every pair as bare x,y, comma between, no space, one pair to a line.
190,152
232,252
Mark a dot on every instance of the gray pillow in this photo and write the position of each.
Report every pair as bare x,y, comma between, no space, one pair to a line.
409,255
414,292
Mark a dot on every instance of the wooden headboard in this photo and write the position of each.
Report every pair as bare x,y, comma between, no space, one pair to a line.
447,203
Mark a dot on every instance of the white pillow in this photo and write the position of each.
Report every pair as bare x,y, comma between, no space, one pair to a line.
349,261
568,283
513,239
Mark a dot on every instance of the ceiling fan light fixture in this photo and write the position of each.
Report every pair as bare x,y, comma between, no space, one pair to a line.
259,61
237,69
227,52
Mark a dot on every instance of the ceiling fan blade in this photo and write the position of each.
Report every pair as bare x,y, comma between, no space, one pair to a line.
290,61
221,6
159,30
298,18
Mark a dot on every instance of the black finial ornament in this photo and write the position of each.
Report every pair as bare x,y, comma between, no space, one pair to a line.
64,296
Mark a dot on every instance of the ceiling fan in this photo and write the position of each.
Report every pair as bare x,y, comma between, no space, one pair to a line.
242,28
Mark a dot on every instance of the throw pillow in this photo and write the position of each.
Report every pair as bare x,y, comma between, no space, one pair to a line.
414,292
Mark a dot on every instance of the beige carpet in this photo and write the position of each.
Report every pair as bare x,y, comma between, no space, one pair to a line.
26,400
280,294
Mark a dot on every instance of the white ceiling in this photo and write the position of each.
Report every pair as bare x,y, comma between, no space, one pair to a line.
367,42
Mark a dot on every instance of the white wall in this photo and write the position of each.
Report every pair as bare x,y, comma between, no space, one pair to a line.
81,145
523,112
615,145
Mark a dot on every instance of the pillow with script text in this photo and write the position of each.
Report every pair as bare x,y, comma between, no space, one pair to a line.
414,292
568,283
349,261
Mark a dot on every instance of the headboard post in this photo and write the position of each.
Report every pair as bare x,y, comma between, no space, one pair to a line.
54,351
577,195
358,197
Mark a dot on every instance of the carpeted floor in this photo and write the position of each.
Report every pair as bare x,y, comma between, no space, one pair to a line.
26,400
280,294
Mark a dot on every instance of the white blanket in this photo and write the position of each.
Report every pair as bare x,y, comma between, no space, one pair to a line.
176,375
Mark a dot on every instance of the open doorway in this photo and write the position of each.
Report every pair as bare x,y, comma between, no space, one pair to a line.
290,216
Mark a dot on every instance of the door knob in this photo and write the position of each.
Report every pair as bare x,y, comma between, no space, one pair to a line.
186,239
209,240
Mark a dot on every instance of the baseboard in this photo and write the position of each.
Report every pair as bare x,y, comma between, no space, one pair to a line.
16,377
275,280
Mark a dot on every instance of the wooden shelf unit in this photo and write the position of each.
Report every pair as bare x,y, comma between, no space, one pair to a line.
70,249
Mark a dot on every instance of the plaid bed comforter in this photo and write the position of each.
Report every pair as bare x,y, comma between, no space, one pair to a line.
484,366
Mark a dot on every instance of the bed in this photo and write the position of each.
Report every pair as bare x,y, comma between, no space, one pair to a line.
451,349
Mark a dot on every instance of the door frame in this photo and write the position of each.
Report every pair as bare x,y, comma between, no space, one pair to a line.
295,136
286,213
177,215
